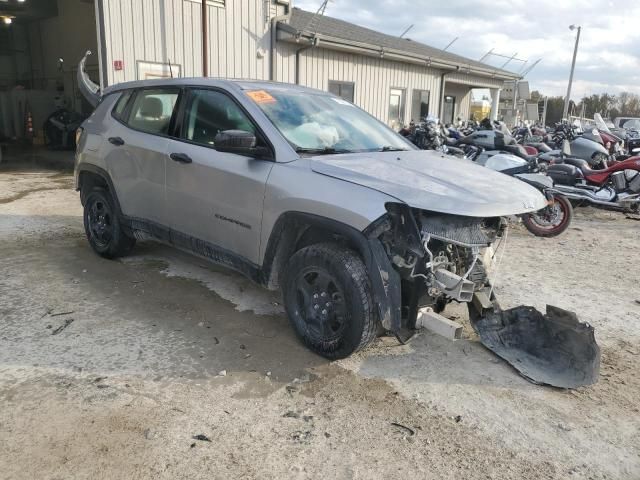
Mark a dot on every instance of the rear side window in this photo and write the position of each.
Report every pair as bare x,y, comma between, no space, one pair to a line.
210,112
118,110
152,110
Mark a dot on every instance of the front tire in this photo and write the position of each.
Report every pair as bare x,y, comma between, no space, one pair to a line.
551,221
102,225
327,296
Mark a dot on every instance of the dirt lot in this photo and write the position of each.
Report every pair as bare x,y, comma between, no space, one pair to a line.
108,369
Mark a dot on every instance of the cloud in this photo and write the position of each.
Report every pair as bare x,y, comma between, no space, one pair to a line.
608,58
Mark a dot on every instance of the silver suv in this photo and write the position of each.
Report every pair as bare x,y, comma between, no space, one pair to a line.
299,190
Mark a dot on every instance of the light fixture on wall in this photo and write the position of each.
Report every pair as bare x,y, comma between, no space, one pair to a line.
7,20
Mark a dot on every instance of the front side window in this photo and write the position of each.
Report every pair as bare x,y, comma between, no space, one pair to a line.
210,112
342,89
316,122
152,110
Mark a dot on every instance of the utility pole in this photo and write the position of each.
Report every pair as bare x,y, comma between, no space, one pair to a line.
573,66
205,40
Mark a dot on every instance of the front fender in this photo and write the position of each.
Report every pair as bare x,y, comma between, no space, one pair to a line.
385,281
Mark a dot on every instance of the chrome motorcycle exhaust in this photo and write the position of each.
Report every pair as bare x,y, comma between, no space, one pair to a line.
573,193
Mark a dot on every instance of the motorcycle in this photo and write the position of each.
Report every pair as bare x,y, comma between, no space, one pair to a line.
612,142
431,135
616,187
548,222
524,136
60,129
494,141
588,146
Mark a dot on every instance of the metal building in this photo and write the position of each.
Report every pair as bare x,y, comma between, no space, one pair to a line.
393,78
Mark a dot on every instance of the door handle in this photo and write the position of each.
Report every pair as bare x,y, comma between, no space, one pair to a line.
180,157
117,141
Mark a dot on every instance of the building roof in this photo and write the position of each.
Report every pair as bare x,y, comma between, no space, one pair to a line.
304,23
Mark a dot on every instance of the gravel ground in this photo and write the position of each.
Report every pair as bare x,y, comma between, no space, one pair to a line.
109,369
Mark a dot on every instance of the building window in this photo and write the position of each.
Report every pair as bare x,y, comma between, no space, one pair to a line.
396,108
420,105
342,89
449,109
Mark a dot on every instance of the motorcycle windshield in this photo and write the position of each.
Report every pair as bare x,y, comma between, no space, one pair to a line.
593,135
601,124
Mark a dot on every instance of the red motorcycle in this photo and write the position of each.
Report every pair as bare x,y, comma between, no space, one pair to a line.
616,187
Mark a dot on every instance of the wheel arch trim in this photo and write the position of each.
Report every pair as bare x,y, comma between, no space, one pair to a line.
385,281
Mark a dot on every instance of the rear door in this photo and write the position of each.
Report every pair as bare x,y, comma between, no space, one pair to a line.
213,196
137,146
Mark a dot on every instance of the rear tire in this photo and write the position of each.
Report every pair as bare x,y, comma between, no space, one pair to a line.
327,296
550,221
102,225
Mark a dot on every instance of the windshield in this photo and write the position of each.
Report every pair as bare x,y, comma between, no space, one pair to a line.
600,123
318,123
632,124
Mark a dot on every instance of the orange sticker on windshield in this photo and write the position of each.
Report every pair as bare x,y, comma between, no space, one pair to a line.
260,96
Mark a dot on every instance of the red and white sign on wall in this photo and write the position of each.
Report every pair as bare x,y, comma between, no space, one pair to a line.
118,64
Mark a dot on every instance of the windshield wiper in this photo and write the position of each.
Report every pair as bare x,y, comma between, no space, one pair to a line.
322,151
389,148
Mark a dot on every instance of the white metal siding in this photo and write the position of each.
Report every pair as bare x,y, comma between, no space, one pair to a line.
373,77
164,31
463,98
474,80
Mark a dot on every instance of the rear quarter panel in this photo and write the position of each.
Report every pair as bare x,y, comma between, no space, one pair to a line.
89,150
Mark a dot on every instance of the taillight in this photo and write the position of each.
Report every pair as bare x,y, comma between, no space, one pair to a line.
79,135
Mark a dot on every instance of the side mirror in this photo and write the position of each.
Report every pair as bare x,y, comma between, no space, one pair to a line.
240,142
566,148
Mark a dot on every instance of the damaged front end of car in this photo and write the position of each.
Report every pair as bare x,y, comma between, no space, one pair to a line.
432,259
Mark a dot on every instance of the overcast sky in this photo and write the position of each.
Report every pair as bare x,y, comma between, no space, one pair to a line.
608,56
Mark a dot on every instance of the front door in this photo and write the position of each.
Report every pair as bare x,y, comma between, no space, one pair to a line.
212,196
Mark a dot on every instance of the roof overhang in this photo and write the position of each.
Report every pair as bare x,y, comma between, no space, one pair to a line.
289,34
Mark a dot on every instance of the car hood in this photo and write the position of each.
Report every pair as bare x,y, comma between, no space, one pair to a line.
429,180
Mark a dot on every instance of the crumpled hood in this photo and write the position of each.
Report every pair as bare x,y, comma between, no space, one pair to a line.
429,180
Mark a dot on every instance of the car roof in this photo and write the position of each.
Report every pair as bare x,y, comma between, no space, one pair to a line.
228,83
